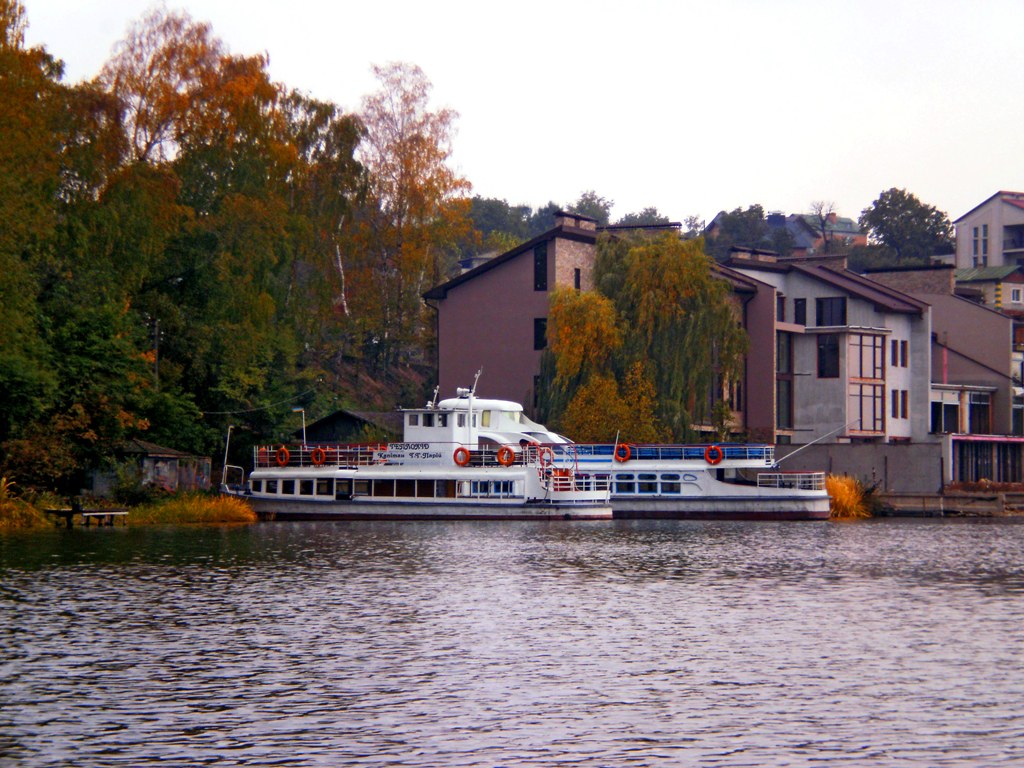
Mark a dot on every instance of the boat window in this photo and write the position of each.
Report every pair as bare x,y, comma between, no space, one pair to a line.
425,488
624,484
670,476
648,483
343,489
428,419
516,417
442,419
306,487
444,489
485,419
405,488
362,488
414,419
383,487
323,487
288,487
256,486
671,486
271,486
462,419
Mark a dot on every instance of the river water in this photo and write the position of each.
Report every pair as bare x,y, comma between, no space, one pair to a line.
626,643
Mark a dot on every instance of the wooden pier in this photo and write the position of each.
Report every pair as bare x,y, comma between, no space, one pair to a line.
102,516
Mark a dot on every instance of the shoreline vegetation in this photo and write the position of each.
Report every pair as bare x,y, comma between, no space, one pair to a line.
195,508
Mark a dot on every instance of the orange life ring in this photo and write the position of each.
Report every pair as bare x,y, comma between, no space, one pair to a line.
623,452
461,456
318,456
282,456
506,456
713,454
547,456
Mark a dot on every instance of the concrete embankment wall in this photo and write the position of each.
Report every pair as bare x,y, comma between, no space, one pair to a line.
889,468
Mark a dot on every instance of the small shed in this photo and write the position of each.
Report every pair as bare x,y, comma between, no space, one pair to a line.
348,426
162,467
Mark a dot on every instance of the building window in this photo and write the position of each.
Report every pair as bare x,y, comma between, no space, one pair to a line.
831,311
784,381
974,245
540,333
894,358
984,243
867,405
980,414
1015,295
577,278
800,311
904,346
828,357
894,400
945,417
867,357
904,398
540,267
780,309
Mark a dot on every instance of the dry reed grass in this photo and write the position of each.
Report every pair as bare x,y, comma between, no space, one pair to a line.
847,498
193,508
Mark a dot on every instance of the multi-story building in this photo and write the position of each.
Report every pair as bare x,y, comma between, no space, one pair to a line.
494,316
992,233
851,353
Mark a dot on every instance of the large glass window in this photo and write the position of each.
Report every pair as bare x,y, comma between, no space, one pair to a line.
867,357
867,405
828,356
831,311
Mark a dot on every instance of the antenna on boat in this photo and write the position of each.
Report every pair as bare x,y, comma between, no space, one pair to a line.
432,403
816,440
475,380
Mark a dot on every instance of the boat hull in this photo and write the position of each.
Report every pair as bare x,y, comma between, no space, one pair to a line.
367,509
721,508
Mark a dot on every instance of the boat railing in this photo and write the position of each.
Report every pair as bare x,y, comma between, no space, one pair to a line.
801,481
317,455
745,452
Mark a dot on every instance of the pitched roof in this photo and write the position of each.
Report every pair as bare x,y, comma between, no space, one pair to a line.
984,274
562,230
881,296
1013,198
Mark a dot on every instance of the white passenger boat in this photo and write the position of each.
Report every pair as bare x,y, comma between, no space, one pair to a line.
445,468
727,481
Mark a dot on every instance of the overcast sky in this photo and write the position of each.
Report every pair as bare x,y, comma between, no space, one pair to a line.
689,107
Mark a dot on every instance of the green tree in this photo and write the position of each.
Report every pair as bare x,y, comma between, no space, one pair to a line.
908,230
647,217
594,206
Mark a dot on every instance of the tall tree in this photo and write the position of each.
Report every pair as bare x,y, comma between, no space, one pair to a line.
157,73
417,209
909,230
679,320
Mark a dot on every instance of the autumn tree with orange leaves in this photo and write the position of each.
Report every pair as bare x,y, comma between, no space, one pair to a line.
416,211
650,354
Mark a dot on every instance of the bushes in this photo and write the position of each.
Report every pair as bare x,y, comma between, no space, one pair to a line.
193,508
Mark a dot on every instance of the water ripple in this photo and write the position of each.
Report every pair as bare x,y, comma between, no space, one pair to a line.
465,644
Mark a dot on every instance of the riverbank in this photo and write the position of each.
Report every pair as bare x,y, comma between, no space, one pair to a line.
952,504
183,509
